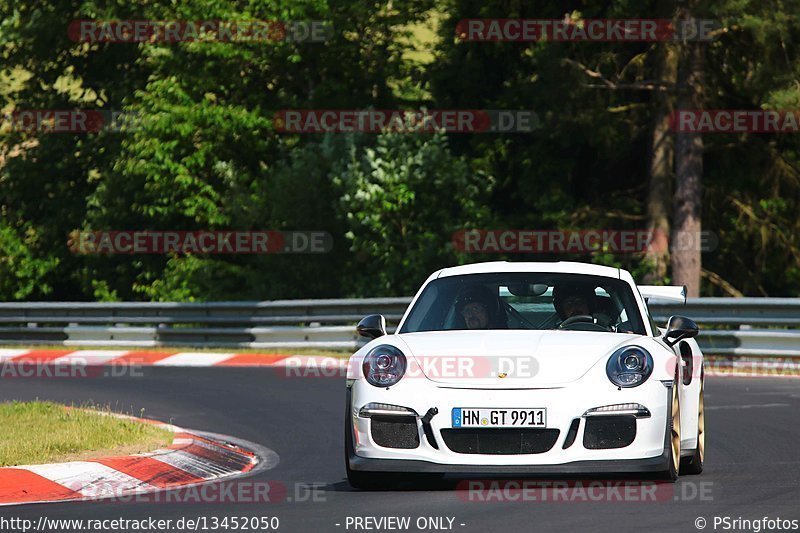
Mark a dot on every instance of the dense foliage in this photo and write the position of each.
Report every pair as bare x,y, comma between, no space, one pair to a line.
206,153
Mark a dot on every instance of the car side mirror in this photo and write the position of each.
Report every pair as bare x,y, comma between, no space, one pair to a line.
679,328
372,326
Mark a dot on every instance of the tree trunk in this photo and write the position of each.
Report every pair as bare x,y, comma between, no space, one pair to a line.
687,202
661,158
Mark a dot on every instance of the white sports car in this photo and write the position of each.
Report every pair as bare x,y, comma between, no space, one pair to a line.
526,368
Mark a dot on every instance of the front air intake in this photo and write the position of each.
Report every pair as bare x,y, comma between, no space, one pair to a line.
604,432
500,441
395,431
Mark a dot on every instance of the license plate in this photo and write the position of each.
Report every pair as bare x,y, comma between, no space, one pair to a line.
468,417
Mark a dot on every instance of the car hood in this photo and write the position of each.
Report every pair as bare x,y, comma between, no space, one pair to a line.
529,358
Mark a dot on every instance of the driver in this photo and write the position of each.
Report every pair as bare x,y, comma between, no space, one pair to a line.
573,299
479,308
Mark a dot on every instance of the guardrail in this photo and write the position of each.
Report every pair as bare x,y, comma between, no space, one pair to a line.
734,311
328,324
274,324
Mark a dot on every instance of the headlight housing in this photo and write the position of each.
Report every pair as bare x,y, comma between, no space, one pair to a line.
629,366
384,365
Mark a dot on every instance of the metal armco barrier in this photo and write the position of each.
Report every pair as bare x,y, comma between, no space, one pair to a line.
744,343
727,323
764,312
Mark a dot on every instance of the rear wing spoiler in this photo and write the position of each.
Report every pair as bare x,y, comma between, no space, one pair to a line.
669,293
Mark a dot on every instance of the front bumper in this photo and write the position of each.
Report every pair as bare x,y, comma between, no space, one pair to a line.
646,453
619,466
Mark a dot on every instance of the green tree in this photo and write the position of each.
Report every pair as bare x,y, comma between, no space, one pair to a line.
22,274
403,200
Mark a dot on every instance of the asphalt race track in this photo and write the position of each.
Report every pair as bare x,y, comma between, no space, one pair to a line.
752,462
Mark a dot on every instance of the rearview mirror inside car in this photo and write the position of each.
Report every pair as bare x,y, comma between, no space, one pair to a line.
528,289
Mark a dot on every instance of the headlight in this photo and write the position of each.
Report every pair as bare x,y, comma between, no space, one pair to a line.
629,366
384,365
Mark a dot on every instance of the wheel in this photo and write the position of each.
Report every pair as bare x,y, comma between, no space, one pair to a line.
674,425
694,464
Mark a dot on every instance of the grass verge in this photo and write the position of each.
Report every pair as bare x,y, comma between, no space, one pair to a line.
45,432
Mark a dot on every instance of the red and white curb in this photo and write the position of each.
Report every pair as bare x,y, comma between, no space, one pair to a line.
175,359
191,459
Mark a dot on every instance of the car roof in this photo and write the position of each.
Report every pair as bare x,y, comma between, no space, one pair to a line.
570,267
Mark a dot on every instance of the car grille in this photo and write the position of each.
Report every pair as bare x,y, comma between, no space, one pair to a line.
500,441
603,432
395,431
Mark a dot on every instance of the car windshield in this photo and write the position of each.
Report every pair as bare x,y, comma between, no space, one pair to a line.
526,301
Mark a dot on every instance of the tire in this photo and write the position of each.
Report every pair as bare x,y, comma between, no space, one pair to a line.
694,465
673,444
